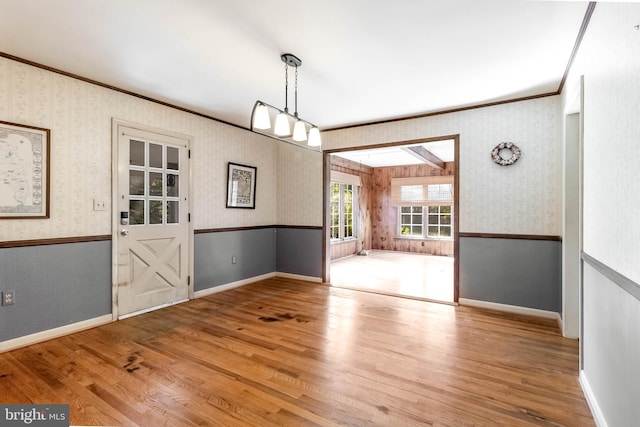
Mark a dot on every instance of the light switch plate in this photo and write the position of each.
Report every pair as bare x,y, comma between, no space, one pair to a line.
99,205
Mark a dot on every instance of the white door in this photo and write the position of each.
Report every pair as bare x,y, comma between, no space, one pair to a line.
151,215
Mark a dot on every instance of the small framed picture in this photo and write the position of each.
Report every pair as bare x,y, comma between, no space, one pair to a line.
24,171
241,186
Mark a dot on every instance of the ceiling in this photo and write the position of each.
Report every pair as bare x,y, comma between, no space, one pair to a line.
363,60
399,156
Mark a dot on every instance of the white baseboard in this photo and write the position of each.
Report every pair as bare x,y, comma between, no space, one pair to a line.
300,277
561,326
149,310
510,308
54,333
232,285
598,416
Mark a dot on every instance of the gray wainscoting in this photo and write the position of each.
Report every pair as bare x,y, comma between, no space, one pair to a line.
610,343
520,272
62,284
299,251
56,285
254,251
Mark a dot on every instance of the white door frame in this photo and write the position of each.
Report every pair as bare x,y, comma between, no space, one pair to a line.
572,212
116,128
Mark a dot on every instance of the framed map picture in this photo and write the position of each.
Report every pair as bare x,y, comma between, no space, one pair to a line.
241,186
24,171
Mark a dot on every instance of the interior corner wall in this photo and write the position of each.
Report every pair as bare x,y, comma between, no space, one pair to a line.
299,186
522,199
609,64
299,215
341,249
299,251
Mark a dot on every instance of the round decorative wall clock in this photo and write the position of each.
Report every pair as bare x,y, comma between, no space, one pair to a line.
505,153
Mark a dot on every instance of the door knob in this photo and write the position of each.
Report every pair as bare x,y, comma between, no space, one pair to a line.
124,232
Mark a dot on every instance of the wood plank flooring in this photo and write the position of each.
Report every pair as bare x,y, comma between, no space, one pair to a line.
287,352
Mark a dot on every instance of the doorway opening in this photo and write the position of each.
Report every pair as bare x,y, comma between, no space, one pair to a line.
391,218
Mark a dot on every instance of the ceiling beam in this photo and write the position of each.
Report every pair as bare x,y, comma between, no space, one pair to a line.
426,156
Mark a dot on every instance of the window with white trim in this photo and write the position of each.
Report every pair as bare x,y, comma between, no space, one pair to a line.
342,211
411,221
343,206
425,206
440,221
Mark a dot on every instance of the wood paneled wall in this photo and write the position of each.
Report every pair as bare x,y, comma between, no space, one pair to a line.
377,219
385,216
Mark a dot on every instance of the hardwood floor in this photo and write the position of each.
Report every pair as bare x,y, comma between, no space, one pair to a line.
397,273
286,352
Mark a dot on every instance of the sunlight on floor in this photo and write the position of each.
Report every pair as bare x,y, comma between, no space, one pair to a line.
397,273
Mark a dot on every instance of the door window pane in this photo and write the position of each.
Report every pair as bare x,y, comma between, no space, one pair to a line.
173,212
173,186
155,184
136,153
155,211
173,158
136,183
136,212
155,156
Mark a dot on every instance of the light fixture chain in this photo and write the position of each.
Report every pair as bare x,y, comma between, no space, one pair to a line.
296,92
286,88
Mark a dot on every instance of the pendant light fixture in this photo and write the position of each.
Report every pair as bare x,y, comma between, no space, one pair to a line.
262,114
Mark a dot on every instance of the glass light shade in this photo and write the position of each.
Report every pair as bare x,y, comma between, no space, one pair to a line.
261,118
314,137
282,125
299,131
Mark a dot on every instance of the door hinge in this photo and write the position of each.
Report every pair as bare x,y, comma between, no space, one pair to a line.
188,280
189,154
188,217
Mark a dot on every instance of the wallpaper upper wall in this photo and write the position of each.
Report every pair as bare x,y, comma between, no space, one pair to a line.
520,199
609,61
79,115
524,198
299,186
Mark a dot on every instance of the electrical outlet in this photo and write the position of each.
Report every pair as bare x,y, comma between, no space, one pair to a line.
99,205
233,259
8,297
